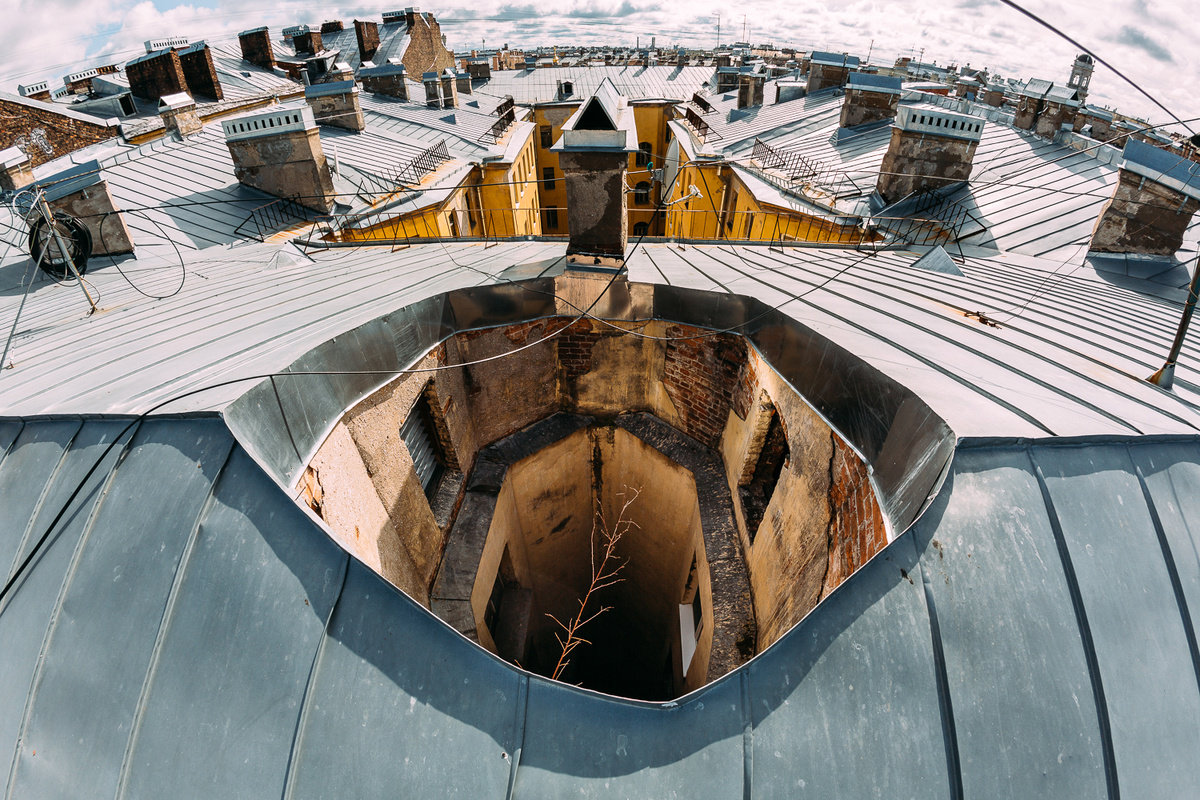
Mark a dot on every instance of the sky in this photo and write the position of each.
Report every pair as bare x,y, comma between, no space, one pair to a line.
1146,40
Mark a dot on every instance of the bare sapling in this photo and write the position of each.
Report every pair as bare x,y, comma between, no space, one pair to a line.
605,572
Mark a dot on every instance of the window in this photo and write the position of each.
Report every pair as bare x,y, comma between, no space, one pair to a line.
641,228
552,218
547,133
641,193
548,177
643,154
420,437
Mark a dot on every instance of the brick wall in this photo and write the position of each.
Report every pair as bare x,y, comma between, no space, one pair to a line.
44,133
308,43
700,377
857,531
425,51
367,33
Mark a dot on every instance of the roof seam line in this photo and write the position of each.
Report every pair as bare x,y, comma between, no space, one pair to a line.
302,717
168,611
1085,630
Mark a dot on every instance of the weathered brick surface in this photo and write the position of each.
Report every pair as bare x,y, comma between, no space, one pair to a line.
857,531
44,133
367,33
823,76
1142,217
918,162
700,376
426,52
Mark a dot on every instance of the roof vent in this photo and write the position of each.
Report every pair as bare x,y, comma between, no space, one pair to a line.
154,45
29,90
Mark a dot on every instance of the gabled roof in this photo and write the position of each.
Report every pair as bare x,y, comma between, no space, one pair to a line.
1036,88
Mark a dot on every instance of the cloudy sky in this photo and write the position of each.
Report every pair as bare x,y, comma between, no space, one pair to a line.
1150,41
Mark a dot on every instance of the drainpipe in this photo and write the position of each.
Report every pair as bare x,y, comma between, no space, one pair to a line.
1165,377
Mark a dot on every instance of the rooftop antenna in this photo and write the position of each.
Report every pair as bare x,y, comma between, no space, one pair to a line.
744,39
870,50
718,30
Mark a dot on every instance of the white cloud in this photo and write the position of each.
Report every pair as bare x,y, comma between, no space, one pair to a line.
1149,40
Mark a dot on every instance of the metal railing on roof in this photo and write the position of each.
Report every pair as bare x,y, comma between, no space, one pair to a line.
699,101
507,114
388,179
272,217
700,126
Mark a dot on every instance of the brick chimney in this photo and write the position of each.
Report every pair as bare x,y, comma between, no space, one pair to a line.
1030,102
155,74
828,70
385,79
256,47
332,26
433,97
279,152
869,98
449,89
199,72
750,89
1156,195
929,148
593,153
305,40
178,112
82,192
16,170
336,104
463,81
367,33
35,91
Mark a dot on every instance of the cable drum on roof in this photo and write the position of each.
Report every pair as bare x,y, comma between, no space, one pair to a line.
53,261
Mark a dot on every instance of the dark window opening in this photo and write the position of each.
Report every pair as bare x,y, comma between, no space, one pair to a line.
641,228
507,613
548,177
643,154
420,437
547,133
552,218
757,490
641,193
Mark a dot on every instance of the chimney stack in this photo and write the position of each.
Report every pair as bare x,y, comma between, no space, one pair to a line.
367,33
305,40
178,112
869,98
929,149
828,70
16,170
332,26
1156,195
155,74
336,104
449,89
279,152
385,79
1030,102
199,71
256,47
433,97
35,91
463,81
82,192
750,89
593,153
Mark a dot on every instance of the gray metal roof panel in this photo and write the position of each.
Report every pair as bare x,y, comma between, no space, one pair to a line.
637,83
